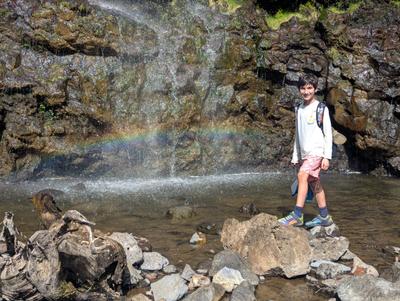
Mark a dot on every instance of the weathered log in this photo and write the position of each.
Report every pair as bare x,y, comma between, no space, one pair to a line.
8,235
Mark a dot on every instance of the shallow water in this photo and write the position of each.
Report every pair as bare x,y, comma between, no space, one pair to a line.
364,207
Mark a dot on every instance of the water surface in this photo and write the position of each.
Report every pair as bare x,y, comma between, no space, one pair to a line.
364,207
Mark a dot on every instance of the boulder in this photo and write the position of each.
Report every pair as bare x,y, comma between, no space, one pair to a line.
368,287
269,246
321,232
231,259
228,278
169,288
153,261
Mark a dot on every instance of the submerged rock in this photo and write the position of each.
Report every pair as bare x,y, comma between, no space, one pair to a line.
180,212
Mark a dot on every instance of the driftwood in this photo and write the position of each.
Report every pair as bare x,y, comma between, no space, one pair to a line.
67,261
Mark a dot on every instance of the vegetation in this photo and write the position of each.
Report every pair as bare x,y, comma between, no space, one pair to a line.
395,2
306,12
311,11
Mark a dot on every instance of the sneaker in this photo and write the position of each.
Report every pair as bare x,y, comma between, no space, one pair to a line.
319,221
292,219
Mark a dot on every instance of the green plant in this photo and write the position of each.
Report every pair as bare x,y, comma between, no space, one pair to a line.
337,9
47,112
395,2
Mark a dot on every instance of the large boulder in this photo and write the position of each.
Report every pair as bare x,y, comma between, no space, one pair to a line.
268,246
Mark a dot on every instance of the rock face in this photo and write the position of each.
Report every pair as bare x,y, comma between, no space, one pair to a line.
268,246
178,87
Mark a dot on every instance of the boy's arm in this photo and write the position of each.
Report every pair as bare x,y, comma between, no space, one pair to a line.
295,156
327,135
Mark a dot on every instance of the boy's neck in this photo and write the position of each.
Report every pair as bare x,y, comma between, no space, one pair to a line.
308,102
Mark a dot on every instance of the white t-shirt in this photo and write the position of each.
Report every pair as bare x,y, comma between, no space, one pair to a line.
309,139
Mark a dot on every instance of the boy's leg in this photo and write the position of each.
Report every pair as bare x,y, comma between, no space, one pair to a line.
323,219
295,217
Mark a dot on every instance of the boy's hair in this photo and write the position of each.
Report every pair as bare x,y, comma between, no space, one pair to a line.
308,79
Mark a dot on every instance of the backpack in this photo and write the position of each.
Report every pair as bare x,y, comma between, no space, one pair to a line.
319,118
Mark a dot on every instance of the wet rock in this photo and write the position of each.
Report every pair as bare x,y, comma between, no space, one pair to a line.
187,272
368,287
329,248
212,292
321,232
207,228
361,268
181,212
198,238
169,288
228,278
198,281
231,259
329,270
153,261
268,246
169,269
244,292
249,209
393,273
133,254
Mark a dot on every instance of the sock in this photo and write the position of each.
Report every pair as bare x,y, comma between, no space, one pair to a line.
323,212
298,211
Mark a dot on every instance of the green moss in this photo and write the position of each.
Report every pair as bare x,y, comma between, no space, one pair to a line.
229,6
351,8
395,3
306,12
333,53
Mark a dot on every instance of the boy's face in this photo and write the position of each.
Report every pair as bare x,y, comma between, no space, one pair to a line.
307,92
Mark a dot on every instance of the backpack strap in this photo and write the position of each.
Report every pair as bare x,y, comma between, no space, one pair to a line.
320,115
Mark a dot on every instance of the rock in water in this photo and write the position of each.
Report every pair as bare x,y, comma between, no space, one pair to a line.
228,278
187,272
231,259
329,248
169,288
244,292
153,261
268,245
180,212
368,287
212,292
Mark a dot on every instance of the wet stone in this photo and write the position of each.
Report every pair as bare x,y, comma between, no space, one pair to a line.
153,261
228,278
187,272
244,292
169,288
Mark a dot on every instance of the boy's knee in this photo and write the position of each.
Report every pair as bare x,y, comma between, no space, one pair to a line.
302,176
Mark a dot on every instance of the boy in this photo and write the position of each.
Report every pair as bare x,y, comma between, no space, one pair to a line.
312,150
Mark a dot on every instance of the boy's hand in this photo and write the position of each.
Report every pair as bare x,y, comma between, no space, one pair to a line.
325,164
